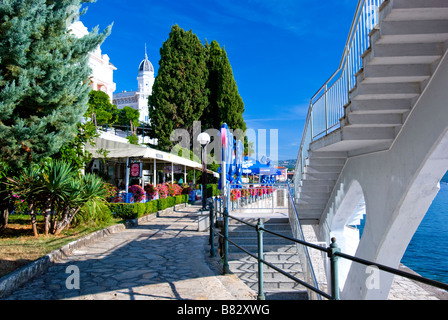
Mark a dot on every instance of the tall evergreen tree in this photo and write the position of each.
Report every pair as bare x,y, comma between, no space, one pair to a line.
211,118
226,104
180,91
228,100
44,77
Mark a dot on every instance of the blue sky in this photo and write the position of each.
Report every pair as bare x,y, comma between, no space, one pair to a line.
281,51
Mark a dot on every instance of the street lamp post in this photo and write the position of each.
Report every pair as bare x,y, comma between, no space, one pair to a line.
204,140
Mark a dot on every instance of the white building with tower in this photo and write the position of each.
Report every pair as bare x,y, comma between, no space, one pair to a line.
102,77
138,99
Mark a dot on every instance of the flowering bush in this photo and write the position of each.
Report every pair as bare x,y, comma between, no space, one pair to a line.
186,189
174,189
117,199
112,191
151,190
253,192
137,192
235,194
162,190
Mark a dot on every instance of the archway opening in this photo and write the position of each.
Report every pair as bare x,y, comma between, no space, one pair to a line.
427,249
346,226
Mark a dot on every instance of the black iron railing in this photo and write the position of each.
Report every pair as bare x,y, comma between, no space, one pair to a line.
219,226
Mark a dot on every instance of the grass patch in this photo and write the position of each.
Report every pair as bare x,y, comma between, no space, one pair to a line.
18,246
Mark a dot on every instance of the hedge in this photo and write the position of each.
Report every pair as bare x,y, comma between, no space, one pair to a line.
138,210
212,190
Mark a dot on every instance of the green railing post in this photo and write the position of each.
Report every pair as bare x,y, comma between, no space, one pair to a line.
212,227
226,269
334,268
260,257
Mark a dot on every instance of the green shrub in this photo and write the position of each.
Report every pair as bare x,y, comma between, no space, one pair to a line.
138,210
96,213
212,190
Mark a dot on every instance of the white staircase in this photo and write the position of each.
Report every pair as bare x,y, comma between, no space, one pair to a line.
280,252
406,46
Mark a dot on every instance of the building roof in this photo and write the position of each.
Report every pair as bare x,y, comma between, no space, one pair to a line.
118,147
145,65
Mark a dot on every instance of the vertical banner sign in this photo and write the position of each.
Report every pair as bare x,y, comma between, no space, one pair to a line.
222,180
239,161
135,170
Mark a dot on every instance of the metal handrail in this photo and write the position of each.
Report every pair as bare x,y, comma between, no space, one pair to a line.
327,105
333,253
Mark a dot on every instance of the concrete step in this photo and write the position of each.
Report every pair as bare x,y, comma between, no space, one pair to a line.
238,266
253,248
275,284
383,49
327,154
310,201
312,169
377,119
233,227
369,88
367,133
270,256
313,161
415,39
417,14
289,295
279,251
251,239
392,26
390,104
272,277
317,182
320,189
307,195
405,4
321,176
396,70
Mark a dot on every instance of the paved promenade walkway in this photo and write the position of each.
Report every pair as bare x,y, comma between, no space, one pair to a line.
162,259
165,258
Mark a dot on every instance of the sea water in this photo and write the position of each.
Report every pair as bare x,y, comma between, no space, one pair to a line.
427,252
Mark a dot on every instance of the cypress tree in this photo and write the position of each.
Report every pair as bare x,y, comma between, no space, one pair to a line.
180,91
226,104
44,77
229,102
211,118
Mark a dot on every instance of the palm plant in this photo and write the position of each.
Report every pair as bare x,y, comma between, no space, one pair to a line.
26,187
57,185
86,189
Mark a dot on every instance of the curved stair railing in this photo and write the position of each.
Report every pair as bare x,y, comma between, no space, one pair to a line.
327,105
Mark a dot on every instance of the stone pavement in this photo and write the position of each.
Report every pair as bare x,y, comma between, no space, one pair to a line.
164,258
161,259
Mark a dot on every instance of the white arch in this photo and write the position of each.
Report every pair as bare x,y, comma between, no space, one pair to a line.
348,212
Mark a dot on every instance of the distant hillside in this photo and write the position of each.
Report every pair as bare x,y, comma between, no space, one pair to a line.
290,164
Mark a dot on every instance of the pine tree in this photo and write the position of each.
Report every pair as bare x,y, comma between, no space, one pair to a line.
44,77
180,91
